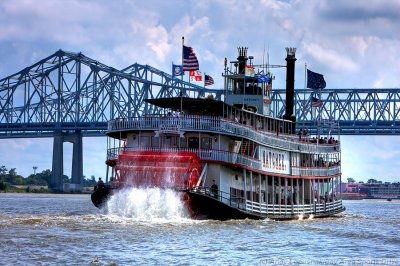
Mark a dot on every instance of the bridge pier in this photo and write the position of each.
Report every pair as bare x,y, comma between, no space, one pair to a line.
58,162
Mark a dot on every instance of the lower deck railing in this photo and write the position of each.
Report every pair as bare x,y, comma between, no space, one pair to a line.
282,209
271,209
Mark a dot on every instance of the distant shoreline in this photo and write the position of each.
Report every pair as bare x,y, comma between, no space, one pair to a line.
32,189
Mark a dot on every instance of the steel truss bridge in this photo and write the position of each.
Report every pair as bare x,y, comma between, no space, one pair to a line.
69,95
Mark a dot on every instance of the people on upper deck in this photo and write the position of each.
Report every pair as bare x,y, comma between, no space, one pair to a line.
258,124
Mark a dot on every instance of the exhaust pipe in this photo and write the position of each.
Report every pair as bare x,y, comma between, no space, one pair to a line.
290,70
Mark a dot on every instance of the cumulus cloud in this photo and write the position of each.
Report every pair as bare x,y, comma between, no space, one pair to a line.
360,10
331,58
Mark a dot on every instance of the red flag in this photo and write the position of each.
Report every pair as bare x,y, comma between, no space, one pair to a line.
195,75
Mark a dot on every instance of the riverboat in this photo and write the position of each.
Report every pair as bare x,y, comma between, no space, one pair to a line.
228,159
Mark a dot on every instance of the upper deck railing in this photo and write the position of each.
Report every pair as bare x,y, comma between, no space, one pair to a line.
224,126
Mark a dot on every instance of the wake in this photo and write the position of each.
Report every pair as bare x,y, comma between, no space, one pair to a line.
148,204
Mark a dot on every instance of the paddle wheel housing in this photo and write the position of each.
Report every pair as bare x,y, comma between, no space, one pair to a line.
176,170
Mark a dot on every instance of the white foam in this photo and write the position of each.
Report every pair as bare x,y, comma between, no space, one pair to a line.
148,204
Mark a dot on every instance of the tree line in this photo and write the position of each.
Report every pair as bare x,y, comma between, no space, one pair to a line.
369,181
9,178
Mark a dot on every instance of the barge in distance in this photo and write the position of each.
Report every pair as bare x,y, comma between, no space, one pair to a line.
228,159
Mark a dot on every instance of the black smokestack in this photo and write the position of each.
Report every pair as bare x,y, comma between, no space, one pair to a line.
290,69
242,59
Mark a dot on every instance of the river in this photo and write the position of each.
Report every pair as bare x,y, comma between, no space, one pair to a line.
146,227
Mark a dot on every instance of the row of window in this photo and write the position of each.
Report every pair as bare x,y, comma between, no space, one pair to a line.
175,141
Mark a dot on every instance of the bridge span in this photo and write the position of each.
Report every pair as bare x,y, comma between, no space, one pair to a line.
68,96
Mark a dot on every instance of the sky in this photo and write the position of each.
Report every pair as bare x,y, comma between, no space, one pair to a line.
354,44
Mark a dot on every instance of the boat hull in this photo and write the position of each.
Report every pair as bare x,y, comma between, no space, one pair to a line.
209,207
101,195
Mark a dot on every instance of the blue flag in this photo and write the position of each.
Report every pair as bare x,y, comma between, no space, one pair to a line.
177,70
263,78
315,81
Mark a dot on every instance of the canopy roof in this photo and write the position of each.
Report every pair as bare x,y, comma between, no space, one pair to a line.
197,106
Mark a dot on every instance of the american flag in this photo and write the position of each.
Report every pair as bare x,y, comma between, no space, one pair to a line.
189,59
316,102
208,80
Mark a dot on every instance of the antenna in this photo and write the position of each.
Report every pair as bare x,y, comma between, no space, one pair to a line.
263,59
268,60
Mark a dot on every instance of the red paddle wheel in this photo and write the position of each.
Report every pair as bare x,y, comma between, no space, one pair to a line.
176,170
173,170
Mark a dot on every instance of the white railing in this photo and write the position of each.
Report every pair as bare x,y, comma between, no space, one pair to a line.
279,209
315,171
227,157
271,209
220,126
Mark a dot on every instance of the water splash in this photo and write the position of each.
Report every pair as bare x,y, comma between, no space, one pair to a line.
148,204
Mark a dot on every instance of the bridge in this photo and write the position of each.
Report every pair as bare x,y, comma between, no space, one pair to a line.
68,96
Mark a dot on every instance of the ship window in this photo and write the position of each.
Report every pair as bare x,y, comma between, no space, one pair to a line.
169,142
183,143
206,143
144,141
193,142
155,142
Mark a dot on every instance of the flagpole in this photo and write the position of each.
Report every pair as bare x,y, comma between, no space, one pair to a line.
319,109
264,94
304,95
183,42
204,83
319,112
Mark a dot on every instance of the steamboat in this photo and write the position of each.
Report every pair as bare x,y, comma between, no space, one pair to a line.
228,159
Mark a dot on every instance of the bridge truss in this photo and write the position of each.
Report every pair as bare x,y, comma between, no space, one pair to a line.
353,111
69,91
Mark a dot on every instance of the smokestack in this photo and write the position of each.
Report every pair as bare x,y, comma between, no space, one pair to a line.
242,59
290,69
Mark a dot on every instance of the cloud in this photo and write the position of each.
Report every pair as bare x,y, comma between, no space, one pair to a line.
348,11
275,5
66,21
360,44
330,58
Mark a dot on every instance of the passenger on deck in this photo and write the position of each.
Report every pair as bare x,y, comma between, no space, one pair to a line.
100,184
214,189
